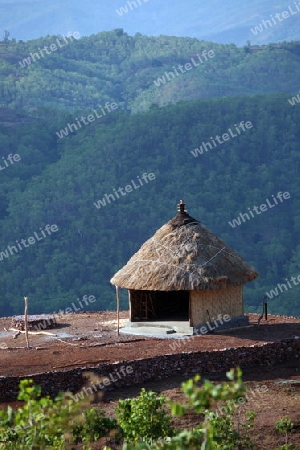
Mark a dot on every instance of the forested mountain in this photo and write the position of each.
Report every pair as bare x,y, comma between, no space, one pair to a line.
60,181
136,72
90,116
215,20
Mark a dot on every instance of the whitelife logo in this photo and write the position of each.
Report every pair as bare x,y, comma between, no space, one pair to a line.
113,377
53,47
204,329
274,292
129,188
70,310
124,9
72,127
205,146
265,24
49,229
294,100
230,404
262,208
168,76
10,160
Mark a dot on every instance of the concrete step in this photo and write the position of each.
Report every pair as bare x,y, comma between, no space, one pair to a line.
164,329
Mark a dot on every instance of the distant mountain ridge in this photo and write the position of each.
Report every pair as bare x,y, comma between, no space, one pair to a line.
211,20
140,71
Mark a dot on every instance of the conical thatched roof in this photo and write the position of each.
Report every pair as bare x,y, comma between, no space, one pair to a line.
184,255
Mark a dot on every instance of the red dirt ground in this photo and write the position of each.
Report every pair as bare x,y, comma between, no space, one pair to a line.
100,343
93,339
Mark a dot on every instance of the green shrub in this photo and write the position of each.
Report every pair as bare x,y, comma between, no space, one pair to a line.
286,447
214,432
93,426
144,418
227,435
40,423
284,426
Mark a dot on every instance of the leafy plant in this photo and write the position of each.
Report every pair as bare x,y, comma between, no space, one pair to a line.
286,447
93,426
144,418
214,432
226,434
40,423
284,426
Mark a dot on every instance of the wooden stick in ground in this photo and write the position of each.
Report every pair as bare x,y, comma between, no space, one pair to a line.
118,310
47,333
26,320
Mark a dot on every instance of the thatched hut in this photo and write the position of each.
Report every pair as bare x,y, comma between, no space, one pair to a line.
184,272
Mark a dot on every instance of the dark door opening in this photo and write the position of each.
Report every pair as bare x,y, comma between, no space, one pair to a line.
159,305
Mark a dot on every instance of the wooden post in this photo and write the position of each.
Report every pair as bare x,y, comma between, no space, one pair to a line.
129,305
266,310
118,309
26,320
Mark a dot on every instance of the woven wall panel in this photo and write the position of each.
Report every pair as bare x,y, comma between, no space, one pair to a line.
224,301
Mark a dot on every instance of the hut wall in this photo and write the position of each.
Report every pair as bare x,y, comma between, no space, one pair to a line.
228,301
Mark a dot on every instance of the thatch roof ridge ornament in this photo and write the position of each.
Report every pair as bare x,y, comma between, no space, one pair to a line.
181,207
184,255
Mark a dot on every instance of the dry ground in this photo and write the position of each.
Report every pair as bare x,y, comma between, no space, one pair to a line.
101,343
87,339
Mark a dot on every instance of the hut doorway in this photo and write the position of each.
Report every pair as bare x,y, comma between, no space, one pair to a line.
159,305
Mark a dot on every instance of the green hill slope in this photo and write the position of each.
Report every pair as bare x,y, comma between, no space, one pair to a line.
91,242
138,71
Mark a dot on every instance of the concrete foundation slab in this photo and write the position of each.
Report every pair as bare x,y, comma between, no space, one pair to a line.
163,329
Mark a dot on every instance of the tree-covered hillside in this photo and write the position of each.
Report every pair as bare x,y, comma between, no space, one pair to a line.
139,71
59,181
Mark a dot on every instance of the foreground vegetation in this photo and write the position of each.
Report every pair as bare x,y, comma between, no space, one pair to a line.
142,423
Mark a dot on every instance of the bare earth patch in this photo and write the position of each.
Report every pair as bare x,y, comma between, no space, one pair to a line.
87,339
